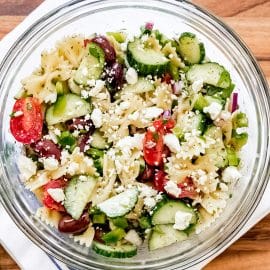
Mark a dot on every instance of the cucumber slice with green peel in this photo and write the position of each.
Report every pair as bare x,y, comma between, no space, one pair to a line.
78,193
203,101
65,108
89,69
141,86
238,140
120,204
165,235
233,159
165,211
145,60
191,50
239,120
217,151
121,252
98,141
210,73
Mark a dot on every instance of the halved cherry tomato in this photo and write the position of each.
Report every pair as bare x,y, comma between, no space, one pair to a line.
153,148
160,180
27,127
163,125
48,201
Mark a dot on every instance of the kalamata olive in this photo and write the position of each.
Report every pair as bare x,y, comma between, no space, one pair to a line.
47,148
98,235
147,174
67,224
81,123
83,141
115,75
108,49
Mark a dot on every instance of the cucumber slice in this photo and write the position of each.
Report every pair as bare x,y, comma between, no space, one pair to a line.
217,152
98,141
146,61
114,236
120,204
77,194
123,251
73,87
165,235
165,211
67,107
90,68
210,73
191,50
61,87
238,140
142,86
189,122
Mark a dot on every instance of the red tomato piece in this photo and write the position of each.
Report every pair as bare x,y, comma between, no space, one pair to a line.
163,125
153,148
167,78
160,180
27,126
86,41
48,201
188,189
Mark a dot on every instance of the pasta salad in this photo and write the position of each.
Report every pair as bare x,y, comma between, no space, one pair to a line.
129,140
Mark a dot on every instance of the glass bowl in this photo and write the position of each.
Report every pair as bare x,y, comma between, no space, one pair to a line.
171,17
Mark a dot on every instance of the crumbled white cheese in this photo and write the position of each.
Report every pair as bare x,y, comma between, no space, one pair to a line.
182,220
231,174
133,237
214,110
223,187
241,130
27,167
213,205
50,98
149,202
134,116
18,113
172,188
131,76
197,86
152,112
72,168
50,163
172,142
225,115
96,117
131,142
57,194
124,105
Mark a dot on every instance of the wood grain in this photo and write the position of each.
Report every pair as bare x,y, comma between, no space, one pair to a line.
251,20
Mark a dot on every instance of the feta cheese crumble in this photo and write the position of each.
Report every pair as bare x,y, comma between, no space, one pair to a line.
214,110
172,142
27,167
152,112
96,117
172,188
50,163
182,220
131,76
231,174
197,86
18,113
57,194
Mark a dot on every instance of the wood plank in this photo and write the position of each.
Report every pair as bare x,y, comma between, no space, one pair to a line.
6,262
262,10
8,23
255,32
230,7
265,65
18,7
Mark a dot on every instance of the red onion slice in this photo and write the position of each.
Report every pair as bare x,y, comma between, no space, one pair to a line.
234,102
167,114
177,87
149,26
